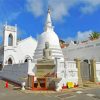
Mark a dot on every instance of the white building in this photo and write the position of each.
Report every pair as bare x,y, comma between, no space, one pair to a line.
13,54
13,51
85,51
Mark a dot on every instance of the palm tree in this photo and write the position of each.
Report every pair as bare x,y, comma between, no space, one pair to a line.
94,35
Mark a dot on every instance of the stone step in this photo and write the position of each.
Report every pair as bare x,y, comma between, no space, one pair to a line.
89,84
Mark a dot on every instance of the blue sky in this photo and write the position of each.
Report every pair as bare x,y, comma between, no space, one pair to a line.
72,19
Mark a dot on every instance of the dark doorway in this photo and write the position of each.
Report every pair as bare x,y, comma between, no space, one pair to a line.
26,60
9,61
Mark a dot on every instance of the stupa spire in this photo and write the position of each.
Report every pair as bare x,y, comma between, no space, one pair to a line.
48,24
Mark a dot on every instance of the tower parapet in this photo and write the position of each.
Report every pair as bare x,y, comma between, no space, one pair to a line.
10,28
9,35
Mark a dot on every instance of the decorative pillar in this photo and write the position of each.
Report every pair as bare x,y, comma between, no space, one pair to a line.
30,82
78,65
93,70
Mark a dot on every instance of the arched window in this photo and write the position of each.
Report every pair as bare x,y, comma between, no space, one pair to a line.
10,40
26,60
9,61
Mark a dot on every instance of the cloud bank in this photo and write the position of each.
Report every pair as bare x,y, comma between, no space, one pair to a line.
61,8
81,36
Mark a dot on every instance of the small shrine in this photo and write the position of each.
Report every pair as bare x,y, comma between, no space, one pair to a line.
46,71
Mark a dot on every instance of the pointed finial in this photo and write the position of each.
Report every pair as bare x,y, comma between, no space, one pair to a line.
49,10
5,25
48,24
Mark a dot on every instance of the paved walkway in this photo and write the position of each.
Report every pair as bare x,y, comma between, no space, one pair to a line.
14,93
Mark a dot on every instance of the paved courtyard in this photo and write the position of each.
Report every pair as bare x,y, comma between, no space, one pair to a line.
70,94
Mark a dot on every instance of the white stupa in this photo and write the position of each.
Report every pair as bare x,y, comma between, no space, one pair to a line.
51,37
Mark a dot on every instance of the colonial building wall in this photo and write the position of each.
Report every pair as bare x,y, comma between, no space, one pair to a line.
23,51
89,50
16,52
11,53
10,35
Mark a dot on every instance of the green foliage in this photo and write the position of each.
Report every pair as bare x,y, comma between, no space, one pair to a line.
61,41
94,35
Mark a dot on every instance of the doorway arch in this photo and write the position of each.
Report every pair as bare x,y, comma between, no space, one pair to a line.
10,61
26,58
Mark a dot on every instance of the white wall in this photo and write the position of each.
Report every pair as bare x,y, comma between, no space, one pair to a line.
71,71
98,70
7,31
16,72
89,50
67,71
11,52
24,49
27,48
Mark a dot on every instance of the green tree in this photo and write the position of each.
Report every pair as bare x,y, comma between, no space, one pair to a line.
61,41
94,35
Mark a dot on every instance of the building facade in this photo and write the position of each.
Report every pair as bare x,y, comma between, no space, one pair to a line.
67,65
85,51
13,51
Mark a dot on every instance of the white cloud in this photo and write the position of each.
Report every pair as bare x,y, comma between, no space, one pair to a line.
81,36
35,6
90,6
60,8
92,2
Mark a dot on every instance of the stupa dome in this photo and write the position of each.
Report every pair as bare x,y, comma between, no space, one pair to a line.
51,37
